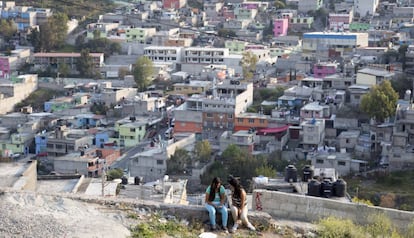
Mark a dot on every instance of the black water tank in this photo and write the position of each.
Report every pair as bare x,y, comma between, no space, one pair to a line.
291,174
314,188
326,188
307,173
137,180
339,188
124,180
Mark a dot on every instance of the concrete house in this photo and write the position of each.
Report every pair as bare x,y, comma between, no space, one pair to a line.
64,140
348,140
371,76
313,133
341,162
245,139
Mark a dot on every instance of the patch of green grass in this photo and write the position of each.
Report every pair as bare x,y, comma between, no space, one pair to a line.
160,227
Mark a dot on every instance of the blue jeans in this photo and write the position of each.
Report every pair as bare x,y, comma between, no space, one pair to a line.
212,213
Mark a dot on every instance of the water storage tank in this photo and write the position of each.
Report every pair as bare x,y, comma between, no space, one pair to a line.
314,188
124,180
291,174
137,180
339,188
326,188
307,173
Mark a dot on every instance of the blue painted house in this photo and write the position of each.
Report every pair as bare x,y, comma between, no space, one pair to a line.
41,143
88,120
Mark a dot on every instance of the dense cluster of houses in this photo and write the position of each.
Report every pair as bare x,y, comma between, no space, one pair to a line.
324,67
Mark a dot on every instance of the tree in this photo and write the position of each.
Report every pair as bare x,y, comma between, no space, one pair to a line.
280,4
178,162
202,151
102,45
114,174
8,29
402,50
34,39
248,63
142,71
53,32
79,41
85,65
268,31
266,171
64,69
401,84
380,102
122,72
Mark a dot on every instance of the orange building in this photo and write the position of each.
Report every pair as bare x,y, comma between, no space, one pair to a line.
245,121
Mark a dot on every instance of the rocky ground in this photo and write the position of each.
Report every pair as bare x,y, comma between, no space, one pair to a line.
25,214
32,215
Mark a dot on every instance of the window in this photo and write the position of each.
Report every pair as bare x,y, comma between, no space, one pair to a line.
160,162
50,145
356,96
319,161
59,146
347,141
341,163
209,115
251,120
240,120
132,130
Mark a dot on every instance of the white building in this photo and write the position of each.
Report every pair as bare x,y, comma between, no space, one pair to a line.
163,54
309,5
364,7
316,44
195,58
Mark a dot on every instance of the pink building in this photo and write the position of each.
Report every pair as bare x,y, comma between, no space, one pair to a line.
340,21
280,27
321,70
4,67
174,4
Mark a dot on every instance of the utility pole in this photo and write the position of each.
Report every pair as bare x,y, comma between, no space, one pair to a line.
103,182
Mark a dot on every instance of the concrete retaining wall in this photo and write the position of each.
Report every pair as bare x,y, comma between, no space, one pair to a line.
28,179
307,208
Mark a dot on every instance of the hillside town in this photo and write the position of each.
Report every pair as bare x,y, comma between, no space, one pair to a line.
147,88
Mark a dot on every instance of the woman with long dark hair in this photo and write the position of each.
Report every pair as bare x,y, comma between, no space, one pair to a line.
214,201
238,205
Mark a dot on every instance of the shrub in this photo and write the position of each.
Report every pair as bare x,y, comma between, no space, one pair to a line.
337,228
364,201
379,225
114,174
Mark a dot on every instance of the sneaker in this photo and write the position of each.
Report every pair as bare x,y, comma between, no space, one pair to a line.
213,227
225,230
251,227
234,228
